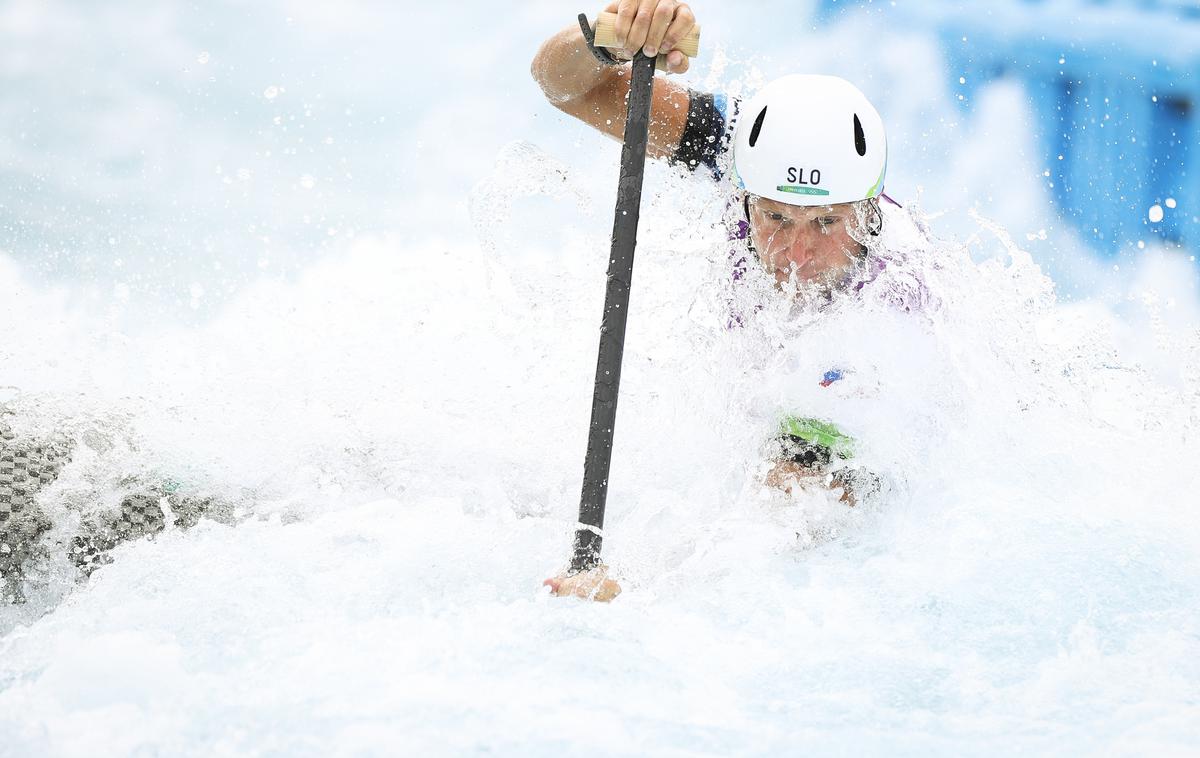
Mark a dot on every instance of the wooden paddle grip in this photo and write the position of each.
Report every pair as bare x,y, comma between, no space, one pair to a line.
606,36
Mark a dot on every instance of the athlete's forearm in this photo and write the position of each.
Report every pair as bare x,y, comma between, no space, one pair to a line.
579,85
567,70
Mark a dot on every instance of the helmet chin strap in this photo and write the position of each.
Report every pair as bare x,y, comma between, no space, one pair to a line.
875,224
749,224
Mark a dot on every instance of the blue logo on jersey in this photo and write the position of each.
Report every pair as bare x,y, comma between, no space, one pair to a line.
831,376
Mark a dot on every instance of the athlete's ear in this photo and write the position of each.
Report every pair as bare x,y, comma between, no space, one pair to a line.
875,218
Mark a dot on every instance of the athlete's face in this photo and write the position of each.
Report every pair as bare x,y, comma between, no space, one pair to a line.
813,244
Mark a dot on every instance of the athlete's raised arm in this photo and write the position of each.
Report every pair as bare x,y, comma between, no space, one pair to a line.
576,83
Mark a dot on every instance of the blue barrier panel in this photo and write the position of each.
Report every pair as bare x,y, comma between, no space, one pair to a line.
1115,86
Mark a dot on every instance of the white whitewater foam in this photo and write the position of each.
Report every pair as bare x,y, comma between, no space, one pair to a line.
404,428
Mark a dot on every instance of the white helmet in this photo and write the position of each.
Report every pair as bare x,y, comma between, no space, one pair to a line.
810,140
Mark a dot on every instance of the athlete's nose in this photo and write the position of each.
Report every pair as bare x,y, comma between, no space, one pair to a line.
798,245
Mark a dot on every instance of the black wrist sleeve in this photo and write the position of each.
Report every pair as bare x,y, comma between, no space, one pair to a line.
703,138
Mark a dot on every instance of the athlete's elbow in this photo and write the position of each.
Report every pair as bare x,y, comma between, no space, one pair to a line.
559,86
539,70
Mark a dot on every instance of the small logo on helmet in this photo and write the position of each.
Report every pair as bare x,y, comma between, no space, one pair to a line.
793,189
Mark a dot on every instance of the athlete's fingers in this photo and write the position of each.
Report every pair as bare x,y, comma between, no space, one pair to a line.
589,588
605,593
641,25
659,23
590,585
677,62
568,586
681,26
626,10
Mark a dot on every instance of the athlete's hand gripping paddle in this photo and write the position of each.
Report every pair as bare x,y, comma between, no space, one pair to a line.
620,275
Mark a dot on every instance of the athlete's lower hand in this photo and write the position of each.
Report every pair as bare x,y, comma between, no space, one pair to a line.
791,478
590,585
654,26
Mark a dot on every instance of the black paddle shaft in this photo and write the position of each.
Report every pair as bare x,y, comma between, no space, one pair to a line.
616,311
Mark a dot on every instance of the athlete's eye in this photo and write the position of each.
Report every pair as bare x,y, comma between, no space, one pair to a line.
828,220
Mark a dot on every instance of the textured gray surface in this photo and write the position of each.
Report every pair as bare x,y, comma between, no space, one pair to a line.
30,463
25,468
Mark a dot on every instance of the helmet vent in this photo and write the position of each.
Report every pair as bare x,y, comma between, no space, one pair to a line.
758,122
860,139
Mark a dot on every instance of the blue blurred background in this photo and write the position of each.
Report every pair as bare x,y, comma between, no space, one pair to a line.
1114,85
